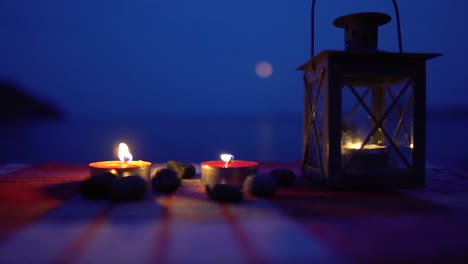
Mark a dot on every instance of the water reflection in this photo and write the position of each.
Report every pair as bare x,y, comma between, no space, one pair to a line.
194,139
158,140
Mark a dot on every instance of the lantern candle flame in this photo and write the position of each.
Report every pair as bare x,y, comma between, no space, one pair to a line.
357,145
227,158
124,153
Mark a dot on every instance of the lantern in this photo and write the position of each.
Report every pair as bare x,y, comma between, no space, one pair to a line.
364,109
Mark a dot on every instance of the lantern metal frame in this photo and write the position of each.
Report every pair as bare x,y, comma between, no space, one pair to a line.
326,75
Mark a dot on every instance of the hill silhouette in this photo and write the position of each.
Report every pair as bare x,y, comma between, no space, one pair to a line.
16,104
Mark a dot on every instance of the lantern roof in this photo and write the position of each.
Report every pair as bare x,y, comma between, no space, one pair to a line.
357,56
368,18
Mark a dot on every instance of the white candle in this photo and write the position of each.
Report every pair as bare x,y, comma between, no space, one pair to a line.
123,167
369,156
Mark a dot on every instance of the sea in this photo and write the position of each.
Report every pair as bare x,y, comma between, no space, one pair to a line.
192,138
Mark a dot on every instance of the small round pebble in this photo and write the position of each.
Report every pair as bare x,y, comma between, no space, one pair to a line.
165,181
261,185
183,170
98,186
224,193
129,188
284,176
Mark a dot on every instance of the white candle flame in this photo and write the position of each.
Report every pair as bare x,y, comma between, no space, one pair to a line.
226,158
124,153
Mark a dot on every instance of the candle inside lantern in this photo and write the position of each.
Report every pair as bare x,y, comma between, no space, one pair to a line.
227,171
369,148
368,156
125,166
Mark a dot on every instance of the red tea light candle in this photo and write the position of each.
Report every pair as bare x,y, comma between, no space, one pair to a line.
227,171
123,167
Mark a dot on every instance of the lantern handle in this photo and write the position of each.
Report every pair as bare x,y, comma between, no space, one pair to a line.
312,34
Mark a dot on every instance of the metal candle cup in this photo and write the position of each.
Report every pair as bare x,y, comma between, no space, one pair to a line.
121,169
371,156
232,173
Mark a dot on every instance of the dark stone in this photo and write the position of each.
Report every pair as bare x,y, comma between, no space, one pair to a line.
165,180
261,185
284,176
224,193
97,187
183,170
129,188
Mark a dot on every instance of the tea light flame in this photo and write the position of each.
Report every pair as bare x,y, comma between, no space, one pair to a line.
124,153
226,158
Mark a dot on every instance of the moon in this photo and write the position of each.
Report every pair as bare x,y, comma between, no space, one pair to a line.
263,69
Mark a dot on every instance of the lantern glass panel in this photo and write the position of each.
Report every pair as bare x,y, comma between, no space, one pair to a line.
377,132
314,124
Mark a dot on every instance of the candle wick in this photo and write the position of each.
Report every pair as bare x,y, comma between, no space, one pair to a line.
125,160
228,161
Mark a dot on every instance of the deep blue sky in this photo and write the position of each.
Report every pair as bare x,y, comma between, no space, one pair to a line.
115,57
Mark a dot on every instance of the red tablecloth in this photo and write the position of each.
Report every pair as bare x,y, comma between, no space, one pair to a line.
43,219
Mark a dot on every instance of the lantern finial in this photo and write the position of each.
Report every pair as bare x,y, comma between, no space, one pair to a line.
361,30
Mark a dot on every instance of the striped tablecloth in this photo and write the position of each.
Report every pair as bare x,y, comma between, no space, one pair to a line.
43,219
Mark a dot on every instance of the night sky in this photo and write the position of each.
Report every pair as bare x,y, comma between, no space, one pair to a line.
148,57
